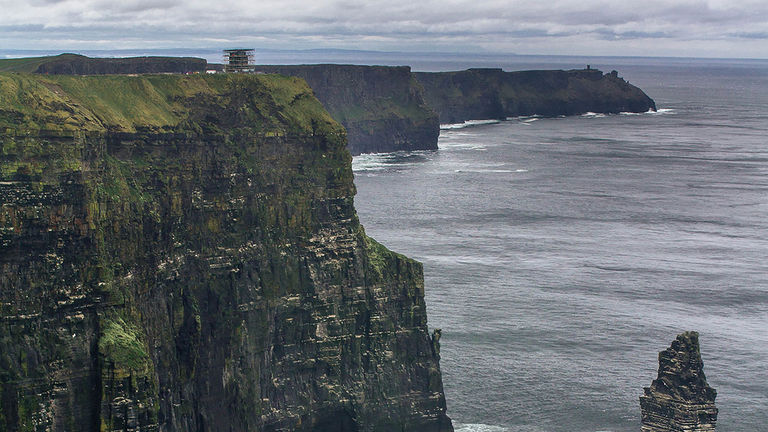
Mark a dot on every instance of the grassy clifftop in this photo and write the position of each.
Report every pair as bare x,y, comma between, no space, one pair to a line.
29,64
160,103
75,64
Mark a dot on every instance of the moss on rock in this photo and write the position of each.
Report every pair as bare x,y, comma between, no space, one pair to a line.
121,344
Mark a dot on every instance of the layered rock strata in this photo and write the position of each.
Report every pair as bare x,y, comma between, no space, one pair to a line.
476,94
679,400
182,253
382,108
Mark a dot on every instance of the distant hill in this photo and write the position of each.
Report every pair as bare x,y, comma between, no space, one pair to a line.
75,64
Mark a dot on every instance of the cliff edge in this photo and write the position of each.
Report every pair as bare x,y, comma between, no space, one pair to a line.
386,109
182,253
679,399
75,64
477,94
382,107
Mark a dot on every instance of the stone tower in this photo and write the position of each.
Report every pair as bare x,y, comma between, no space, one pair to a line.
239,60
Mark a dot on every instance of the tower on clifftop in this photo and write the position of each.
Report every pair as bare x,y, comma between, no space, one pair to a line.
239,60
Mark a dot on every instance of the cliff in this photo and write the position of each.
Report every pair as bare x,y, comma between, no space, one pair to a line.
381,107
679,399
182,253
387,109
74,64
476,94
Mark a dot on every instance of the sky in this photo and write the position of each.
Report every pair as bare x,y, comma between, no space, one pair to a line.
679,28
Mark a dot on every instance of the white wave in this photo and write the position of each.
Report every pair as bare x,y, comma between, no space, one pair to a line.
479,427
591,114
661,111
627,113
461,146
481,171
388,161
370,162
454,133
467,123
489,168
524,118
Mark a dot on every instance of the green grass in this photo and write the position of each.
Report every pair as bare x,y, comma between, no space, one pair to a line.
161,103
29,64
121,344
296,100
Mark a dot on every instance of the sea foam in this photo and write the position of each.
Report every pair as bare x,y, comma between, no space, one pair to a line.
467,123
479,427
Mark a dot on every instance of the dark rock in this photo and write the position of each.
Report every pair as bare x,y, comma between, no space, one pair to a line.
381,107
73,64
194,262
477,94
679,400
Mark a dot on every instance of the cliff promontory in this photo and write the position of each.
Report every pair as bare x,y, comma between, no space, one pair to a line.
476,94
387,109
679,399
382,107
75,64
182,253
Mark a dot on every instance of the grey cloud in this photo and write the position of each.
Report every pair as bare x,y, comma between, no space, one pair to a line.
755,35
346,23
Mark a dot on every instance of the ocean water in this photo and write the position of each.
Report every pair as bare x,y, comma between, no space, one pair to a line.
562,254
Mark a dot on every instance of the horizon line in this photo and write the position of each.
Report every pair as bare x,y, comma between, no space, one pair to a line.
371,51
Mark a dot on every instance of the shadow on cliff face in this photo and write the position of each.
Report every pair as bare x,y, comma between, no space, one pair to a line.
339,420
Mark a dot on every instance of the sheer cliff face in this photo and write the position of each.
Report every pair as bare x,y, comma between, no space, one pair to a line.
680,399
381,107
183,254
494,94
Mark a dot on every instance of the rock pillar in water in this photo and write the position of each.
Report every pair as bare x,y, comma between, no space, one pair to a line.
679,399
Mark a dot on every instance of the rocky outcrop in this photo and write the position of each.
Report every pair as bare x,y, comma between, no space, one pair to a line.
74,64
679,400
182,253
476,94
381,107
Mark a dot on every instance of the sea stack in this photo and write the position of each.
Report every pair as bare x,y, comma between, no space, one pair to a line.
679,399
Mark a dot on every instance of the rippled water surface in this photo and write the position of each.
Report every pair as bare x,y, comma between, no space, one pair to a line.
562,254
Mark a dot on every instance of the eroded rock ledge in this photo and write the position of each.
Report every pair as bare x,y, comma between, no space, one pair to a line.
679,399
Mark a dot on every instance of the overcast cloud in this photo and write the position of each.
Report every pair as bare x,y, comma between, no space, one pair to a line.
703,28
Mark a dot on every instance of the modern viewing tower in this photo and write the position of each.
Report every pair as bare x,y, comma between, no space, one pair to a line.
238,60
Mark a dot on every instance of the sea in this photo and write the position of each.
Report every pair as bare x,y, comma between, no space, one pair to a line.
562,254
